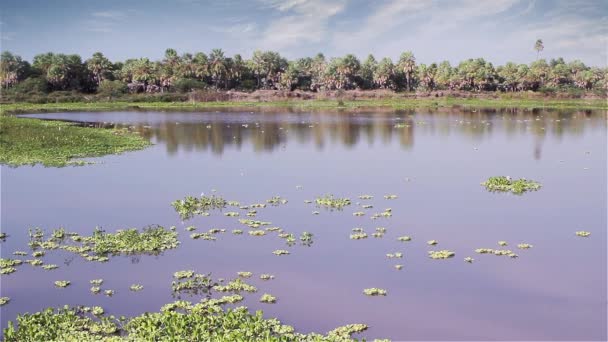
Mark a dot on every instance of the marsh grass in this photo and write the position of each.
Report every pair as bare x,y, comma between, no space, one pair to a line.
57,144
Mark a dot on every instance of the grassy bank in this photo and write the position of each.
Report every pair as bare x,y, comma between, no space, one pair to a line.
53,143
389,103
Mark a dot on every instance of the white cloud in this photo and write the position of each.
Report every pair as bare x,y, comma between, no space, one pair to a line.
300,22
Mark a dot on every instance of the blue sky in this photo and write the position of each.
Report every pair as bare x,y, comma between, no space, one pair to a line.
435,30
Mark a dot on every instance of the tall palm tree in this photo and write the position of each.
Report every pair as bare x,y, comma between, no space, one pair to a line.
407,64
98,65
538,46
217,67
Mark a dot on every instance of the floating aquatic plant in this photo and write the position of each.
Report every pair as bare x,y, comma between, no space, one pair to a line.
358,236
332,202
194,284
306,239
315,213
357,230
432,242
236,285
374,292
34,262
108,293
38,254
7,270
50,267
204,236
257,232
183,274
97,310
216,231
266,276
280,252
136,287
95,289
506,184
524,246
390,197
190,206
469,259
4,300
377,234
191,228
237,231
404,238
21,253
583,233
366,197
245,274
502,243
269,299
498,252
3,238
443,254
359,213
276,200
398,267
231,214
394,255
62,283
367,206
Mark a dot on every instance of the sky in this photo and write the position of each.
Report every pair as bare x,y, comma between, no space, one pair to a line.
434,30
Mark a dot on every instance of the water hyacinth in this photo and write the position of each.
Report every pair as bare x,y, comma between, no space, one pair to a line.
257,232
20,253
96,282
136,287
366,197
266,276
231,214
190,206
280,252
236,285
469,260
374,292
306,239
49,267
432,242
237,231
498,252
190,228
3,238
95,289
404,238
34,262
394,255
583,233
108,293
269,299
38,254
204,236
359,213
524,246
332,202
506,184
7,270
398,267
183,274
367,206
502,243
245,274
4,300
443,254
358,236
390,197
195,284
62,283
97,310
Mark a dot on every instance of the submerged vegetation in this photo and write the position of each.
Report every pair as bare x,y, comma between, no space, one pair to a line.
54,143
506,184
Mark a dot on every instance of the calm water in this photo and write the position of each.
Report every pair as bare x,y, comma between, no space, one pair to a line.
554,291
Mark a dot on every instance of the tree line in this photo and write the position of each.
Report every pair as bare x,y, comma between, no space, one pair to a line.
269,70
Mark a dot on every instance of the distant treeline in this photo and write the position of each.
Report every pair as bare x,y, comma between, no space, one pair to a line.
52,72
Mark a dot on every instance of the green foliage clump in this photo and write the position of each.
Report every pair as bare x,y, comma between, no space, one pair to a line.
54,143
443,254
190,206
151,240
506,184
374,292
583,233
62,283
267,298
332,202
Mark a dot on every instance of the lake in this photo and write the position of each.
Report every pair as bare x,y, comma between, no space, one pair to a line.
433,160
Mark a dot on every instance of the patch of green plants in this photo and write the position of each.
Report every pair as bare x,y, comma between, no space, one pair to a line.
62,283
374,292
432,242
57,144
404,238
330,201
237,285
499,252
443,254
191,206
583,233
524,246
244,274
280,252
266,276
188,282
136,287
506,184
390,197
358,236
267,298
4,300
3,237
49,267
469,260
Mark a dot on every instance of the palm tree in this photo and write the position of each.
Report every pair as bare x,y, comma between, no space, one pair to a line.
407,64
98,65
217,67
538,46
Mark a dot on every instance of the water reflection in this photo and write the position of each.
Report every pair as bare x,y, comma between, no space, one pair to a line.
215,131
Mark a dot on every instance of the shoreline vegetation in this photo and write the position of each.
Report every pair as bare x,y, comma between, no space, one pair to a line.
344,100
